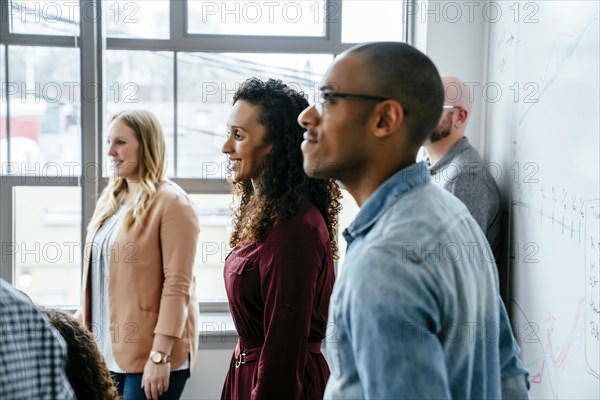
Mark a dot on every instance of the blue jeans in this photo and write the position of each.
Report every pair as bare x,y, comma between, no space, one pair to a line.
129,385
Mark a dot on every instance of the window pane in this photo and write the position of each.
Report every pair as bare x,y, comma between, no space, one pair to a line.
213,245
3,140
349,211
47,247
44,93
207,83
136,19
264,18
141,80
370,21
45,17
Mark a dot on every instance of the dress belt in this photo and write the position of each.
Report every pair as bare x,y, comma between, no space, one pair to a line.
249,350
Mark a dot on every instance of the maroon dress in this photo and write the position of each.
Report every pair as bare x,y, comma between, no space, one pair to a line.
278,294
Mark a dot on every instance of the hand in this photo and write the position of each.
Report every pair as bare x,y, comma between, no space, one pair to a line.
155,380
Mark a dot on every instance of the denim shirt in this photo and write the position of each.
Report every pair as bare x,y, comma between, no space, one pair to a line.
415,312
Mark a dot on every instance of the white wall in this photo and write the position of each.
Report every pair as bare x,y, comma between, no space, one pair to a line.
208,375
454,36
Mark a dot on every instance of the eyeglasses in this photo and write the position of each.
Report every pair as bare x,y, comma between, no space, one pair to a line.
325,98
449,107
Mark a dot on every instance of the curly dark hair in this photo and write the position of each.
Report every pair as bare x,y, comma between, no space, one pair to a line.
86,369
285,187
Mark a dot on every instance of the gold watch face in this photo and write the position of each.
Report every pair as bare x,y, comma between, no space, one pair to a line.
156,357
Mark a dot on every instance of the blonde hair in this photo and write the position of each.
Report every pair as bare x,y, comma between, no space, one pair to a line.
151,170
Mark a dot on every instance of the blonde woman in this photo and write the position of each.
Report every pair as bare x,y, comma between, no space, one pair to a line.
138,286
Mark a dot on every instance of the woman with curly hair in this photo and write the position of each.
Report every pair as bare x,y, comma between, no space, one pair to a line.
85,368
279,275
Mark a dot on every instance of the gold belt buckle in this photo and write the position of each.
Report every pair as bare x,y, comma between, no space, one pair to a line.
241,360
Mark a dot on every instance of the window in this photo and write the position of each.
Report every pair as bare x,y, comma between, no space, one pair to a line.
213,245
45,135
136,19
47,250
3,113
142,80
41,149
264,18
208,82
44,17
62,75
380,15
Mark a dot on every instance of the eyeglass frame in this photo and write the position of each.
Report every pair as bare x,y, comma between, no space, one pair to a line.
326,95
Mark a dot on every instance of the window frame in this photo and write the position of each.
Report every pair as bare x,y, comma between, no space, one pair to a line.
87,42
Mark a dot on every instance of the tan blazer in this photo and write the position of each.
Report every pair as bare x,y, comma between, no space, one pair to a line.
151,287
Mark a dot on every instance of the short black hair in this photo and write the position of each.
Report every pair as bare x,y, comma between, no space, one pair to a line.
399,71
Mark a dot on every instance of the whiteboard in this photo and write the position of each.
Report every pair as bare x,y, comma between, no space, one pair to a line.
550,60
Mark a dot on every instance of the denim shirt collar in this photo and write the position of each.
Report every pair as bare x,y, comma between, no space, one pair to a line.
384,197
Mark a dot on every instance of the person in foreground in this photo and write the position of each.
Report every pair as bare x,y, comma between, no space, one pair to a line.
32,352
415,311
138,286
279,275
85,367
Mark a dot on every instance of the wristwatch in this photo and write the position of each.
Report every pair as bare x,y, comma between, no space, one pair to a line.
159,358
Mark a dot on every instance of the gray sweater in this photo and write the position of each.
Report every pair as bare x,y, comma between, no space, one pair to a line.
462,172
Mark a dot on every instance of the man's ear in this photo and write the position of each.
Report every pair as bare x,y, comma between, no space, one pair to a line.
389,117
461,116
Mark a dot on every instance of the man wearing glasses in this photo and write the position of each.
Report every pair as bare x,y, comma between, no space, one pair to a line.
457,167
415,311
